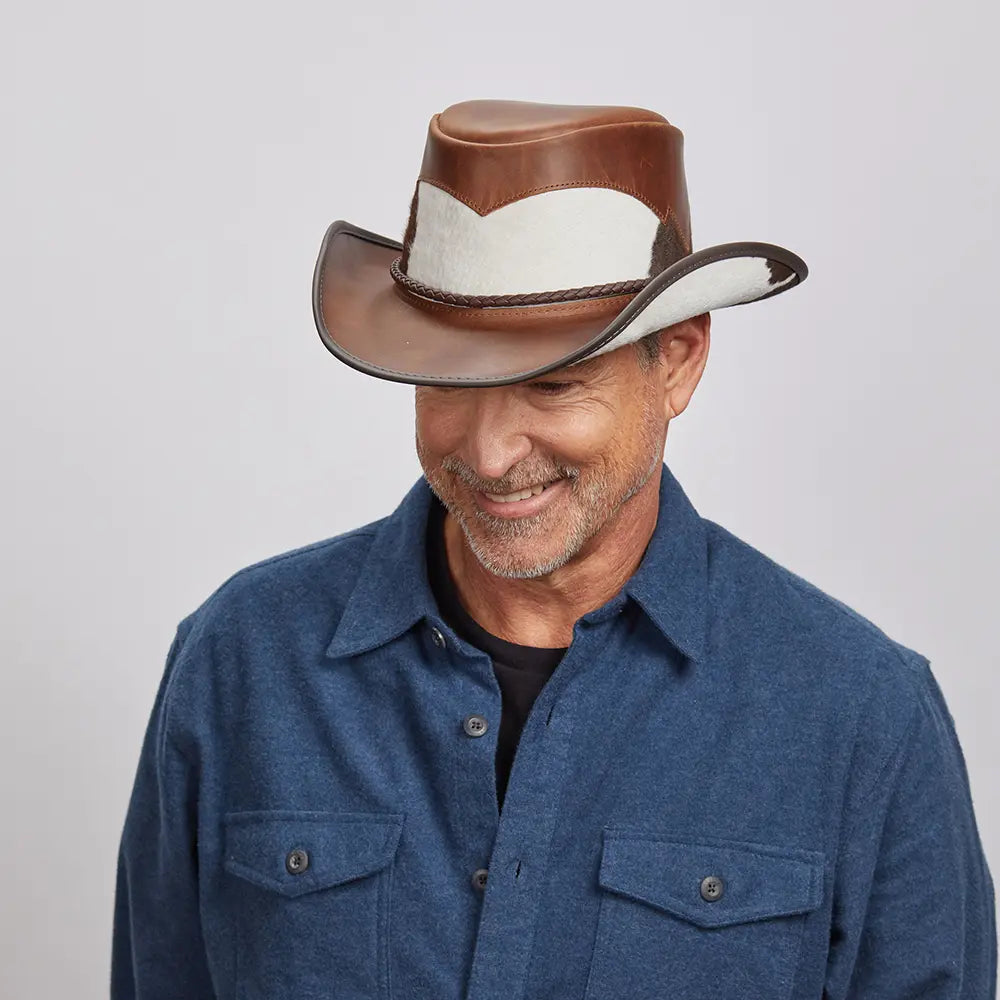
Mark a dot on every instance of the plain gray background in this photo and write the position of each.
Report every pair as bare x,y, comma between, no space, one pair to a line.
170,414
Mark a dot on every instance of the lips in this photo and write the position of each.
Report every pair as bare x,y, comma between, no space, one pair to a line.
531,504
522,494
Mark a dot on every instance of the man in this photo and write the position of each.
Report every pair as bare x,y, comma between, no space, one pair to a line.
726,783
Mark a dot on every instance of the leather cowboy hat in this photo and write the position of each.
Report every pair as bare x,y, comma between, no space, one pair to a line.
538,235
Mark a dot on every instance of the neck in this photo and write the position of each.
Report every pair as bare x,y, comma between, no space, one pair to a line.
542,611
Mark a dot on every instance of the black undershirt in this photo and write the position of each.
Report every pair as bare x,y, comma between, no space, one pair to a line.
521,671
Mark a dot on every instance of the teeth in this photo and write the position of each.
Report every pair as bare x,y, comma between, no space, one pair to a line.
519,495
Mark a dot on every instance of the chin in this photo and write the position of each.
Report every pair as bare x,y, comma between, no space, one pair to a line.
501,561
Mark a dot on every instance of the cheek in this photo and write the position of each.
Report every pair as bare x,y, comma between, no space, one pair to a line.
610,439
435,424
580,435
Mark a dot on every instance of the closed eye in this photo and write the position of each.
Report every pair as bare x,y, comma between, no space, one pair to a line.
552,388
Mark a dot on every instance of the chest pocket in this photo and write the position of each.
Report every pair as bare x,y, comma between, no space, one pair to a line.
701,919
310,902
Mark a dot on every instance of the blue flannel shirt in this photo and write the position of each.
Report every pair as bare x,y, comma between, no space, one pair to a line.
732,786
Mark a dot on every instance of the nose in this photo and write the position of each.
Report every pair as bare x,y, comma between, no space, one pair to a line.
495,438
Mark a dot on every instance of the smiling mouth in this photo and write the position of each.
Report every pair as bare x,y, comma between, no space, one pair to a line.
530,491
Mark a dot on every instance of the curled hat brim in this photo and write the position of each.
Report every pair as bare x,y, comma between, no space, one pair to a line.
368,321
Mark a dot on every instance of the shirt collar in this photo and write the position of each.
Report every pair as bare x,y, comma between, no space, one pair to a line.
671,582
393,593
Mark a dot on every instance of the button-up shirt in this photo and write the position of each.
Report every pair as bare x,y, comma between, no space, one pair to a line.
731,786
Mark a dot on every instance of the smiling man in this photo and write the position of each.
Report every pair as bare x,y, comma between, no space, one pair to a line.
544,730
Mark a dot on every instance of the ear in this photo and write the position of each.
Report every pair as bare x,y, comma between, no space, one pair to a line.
684,353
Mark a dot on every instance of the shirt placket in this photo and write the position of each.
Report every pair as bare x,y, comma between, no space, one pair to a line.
512,890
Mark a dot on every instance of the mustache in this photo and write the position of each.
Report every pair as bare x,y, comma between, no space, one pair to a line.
507,484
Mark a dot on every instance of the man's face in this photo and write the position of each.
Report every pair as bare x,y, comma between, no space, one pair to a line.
592,433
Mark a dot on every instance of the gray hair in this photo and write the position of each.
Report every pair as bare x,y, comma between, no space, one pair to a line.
648,350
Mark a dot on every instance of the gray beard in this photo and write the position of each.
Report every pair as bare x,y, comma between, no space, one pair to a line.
505,529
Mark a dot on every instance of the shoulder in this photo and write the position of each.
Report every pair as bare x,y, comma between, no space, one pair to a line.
810,655
297,585
263,617
772,614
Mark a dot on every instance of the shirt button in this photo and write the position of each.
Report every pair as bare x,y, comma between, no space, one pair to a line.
711,888
475,725
479,878
437,636
297,861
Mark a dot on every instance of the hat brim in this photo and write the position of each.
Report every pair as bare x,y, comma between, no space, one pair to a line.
365,319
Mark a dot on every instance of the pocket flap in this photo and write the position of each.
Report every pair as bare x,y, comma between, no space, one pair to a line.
339,846
758,880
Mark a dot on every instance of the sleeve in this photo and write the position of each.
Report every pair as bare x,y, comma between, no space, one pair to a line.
157,950
914,910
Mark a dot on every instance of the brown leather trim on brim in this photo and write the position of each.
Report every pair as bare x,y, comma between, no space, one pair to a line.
369,322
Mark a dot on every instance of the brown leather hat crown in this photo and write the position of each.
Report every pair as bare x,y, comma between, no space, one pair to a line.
538,235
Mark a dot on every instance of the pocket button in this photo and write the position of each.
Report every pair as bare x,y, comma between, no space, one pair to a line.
297,861
712,888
